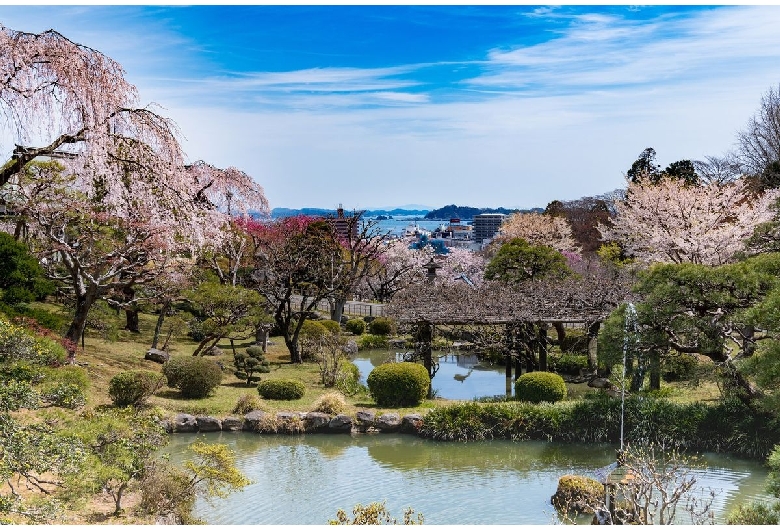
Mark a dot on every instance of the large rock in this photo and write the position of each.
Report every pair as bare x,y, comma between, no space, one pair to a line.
185,423
411,423
253,420
232,424
316,421
365,420
340,423
389,422
158,356
578,494
208,424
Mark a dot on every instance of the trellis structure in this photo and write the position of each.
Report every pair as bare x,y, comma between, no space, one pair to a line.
587,298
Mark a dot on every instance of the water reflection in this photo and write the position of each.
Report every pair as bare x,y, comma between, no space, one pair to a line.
304,479
460,375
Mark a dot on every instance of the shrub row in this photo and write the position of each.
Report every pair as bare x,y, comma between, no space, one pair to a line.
729,426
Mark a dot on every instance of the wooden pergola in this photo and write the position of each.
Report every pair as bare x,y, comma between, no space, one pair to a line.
585,299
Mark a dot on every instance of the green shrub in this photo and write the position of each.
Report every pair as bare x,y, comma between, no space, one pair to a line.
66,395
21,371
281,389
540,386
356,326
381,326
569,364
399,384
574,342
371,342
195,377
70,374
134,387
18,344
249,363
754,513
348,379
331,325
679,367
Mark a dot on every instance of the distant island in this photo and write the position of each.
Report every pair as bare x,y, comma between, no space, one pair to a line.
324,212
468,212
444,213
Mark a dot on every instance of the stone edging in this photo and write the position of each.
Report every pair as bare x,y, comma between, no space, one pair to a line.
296,423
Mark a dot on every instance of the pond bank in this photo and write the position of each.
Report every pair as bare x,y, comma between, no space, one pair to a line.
262,422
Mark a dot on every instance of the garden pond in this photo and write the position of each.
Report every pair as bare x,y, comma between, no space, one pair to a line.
460,375
305,479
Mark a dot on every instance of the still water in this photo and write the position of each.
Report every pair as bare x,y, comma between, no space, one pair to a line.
460,376
305,479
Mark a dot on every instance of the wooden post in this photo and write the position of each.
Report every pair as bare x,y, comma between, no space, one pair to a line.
423,345
593,334
542,346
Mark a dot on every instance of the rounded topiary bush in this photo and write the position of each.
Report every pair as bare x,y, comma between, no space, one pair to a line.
281,389
399,384
381,326
134,387
356,326
578,494
331,325
540,386
194,377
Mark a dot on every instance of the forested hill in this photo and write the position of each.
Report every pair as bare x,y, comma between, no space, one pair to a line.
468,212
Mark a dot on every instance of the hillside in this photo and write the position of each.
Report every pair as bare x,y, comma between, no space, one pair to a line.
468,212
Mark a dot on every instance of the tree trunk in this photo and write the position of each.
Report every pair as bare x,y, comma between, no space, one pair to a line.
160,319
561,331
748,340
655,369
593,334
338,309
118,499
261,337
294,348
542,346
84,303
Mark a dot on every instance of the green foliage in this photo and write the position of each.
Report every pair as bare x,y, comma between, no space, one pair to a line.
249,363
754,513
399,384
381,326
331,325
194,377
518,261
65,395
31,454
348,379
568,364
227,309
375,514
281,389
679,367
614,253
21,371
369,341
773,462
121,444
18,344
134,387
578,494
48,319
15,395
356,326
540,386
21,276
247,403
170,491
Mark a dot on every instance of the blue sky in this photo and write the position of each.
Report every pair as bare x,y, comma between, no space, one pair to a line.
375,106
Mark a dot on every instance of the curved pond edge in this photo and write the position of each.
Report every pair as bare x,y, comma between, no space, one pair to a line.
262,422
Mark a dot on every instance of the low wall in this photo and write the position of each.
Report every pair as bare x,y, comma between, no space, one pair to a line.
295,423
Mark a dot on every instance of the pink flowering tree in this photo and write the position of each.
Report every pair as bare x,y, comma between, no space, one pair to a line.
395,268
460,262
675,222
538,229
120,202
